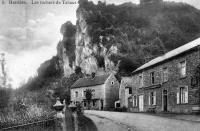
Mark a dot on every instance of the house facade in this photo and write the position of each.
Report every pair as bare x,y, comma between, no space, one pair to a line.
105,91
169,82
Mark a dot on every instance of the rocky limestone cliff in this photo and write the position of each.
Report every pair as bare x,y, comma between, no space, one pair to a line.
90,57
110,38
76,49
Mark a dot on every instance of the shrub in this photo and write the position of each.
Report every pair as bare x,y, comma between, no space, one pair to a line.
79,109
33,114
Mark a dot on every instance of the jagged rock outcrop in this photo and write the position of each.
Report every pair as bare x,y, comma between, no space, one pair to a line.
90,57
120,38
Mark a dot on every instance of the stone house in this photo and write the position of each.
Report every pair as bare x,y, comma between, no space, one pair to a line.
105,91
169,82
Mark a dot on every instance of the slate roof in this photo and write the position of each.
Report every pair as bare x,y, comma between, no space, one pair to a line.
86,82
170,54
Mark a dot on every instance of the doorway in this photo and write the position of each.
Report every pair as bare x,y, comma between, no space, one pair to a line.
165,102
141,102
101,104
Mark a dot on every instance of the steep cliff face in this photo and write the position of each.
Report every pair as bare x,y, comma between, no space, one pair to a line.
120,38
91,57
76,48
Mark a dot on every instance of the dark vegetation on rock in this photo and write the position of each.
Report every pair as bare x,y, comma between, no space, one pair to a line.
141,32
68,30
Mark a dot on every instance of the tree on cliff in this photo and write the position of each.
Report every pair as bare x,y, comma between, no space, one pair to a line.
68,30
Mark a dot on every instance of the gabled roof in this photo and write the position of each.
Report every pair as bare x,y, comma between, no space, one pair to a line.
86,82
170,54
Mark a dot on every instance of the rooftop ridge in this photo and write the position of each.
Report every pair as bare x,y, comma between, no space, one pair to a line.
170,54
88,81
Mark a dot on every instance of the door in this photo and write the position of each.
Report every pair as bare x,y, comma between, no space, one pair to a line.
165,100
141,102
101,104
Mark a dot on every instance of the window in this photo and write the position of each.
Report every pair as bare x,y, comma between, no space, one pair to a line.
130,90
165,74
152,98
194,80
141,81
84,93
84,104
112,82
152,75
93,103
76,94
182,69
117,104
182,95
93,93
134,101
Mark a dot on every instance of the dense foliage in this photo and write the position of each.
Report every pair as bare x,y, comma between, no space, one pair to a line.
141,32
5,94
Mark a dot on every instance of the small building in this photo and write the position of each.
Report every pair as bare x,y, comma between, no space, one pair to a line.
169,83
125,91
105,91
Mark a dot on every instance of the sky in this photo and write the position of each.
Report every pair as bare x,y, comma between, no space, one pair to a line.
29,33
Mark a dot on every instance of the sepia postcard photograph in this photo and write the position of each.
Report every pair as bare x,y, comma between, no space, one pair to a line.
99,65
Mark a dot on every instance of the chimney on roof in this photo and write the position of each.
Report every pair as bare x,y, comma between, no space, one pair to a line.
93,75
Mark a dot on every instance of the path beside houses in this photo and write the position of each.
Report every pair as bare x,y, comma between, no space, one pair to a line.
95,123
147,122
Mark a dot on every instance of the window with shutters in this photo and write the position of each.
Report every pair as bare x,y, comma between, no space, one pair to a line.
182,69
152,98
182,95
